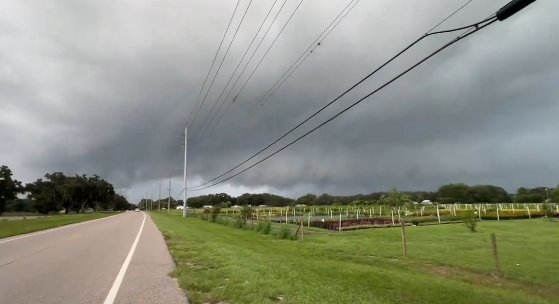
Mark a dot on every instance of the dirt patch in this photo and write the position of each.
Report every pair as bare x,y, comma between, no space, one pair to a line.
491,279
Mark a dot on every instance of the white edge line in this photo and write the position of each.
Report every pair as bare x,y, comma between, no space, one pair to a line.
57,228
120,277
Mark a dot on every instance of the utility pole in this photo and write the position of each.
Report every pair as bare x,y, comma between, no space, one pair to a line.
151,202
169,201
185,196
159,200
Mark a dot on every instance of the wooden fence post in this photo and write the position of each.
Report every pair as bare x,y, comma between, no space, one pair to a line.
404,248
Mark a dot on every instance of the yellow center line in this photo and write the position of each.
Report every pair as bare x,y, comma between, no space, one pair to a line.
73,237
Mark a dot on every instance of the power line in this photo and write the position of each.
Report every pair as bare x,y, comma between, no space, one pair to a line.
337,98
235,71
449,16
264,98
223,59
213,62
358,101
210,127
268,50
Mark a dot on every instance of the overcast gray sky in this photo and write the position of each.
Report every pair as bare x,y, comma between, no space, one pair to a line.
106,87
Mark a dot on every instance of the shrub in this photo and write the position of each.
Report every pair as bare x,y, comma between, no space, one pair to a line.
267,228
260,227
239,223
245,213
548,211
206,214
284,233
216,210
471,223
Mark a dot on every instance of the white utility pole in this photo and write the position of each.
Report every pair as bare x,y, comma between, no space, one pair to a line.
159,200
169,202
151,202
185,196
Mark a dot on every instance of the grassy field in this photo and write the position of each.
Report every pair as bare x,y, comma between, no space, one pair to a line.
21,226
14,214
445,264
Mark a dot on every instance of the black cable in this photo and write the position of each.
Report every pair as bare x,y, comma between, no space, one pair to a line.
223,59
235,71
351,88
264,98
305,52
261,101
221,43
269,48
295,63
449,16
355,103
251,56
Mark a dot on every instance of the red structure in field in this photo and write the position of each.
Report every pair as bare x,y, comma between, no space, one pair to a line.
334,224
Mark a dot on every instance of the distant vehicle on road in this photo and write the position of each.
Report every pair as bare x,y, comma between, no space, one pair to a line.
137,209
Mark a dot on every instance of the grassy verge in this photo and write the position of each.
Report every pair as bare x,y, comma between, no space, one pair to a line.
445,264
16,214
22,226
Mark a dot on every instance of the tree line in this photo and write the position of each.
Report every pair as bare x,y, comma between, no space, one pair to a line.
58,192
446,194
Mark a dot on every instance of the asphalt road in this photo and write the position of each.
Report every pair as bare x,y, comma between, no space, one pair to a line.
120,259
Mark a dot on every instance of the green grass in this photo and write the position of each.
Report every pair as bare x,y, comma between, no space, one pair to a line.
445,264
22,226
12,214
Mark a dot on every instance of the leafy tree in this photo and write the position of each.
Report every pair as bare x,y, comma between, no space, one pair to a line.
554,197
215,212
308,199
9,188
530,196
43,194
395,198
454,193
73,193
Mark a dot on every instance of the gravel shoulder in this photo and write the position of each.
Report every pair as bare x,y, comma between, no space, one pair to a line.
147,279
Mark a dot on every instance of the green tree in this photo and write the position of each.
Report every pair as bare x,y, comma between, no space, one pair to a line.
530,196
43,195
395,198
454,193
554,195
9,187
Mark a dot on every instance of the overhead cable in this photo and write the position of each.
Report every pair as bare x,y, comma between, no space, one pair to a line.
502,14
213,62
265,54
246,52
478,28
298,62
340,96
223,59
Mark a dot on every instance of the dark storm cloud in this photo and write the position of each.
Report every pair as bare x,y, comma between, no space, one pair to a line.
111,87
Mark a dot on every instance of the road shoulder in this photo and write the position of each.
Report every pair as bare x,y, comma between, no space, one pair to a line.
147,279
